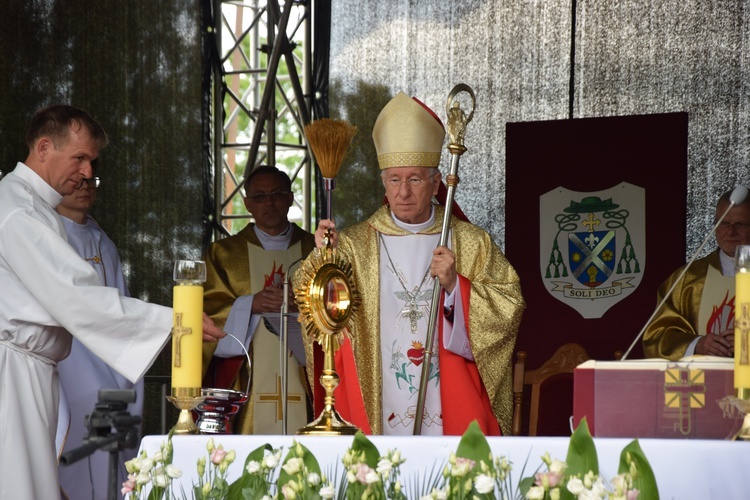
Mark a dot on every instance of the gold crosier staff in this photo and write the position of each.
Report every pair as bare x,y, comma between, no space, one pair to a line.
457,121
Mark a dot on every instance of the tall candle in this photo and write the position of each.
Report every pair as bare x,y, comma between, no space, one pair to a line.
742,318
187,329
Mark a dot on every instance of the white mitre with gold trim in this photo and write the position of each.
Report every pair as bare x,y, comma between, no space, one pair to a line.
408,134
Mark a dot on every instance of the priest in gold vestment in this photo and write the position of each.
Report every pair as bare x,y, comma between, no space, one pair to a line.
395,257
245,273
698,317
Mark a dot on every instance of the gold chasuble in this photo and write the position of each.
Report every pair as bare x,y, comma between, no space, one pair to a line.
494,306
239,266
702,302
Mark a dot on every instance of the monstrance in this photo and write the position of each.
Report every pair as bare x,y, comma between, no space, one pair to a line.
325,292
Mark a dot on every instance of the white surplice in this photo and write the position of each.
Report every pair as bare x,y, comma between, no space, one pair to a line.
46,291
83,375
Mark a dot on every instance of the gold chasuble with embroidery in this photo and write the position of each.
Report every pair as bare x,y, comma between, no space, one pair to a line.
702,303
239,266
492,304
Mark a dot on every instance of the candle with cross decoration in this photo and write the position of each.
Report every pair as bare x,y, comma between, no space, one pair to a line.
187,332
742,318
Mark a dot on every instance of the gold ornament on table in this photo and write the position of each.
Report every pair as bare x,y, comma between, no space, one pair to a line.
325,292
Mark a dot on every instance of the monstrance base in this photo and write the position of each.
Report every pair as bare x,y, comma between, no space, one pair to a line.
329,423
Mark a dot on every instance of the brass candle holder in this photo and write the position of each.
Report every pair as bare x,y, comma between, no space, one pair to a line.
185,399
327,298
742,403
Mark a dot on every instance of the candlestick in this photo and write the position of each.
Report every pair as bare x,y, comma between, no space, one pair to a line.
742,318
187,341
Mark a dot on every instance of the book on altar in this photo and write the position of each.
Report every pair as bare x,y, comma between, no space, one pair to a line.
657,398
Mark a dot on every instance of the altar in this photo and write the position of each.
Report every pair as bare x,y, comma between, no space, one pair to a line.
684,469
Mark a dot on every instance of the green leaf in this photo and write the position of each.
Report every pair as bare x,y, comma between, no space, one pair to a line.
156,493
297,450
246,480
582,457
645,481
474,446
361,443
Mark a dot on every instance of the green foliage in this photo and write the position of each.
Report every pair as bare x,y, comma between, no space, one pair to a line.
634,462
582,457
251,485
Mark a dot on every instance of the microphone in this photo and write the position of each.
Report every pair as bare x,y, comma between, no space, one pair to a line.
737,196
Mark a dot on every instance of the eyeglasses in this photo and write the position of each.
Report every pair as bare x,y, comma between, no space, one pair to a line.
412,182
739,226
92,182
275,196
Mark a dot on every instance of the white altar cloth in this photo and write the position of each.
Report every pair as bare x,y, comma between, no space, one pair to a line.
684,469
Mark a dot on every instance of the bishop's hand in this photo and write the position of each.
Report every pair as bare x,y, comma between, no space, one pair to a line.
443,267
324,226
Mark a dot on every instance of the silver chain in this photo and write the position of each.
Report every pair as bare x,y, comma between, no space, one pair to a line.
411,310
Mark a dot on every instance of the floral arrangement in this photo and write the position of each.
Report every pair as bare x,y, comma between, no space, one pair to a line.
471,472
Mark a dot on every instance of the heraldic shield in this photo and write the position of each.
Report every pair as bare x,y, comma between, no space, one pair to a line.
593,248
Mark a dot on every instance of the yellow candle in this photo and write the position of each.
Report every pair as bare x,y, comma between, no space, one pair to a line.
741,329
187,337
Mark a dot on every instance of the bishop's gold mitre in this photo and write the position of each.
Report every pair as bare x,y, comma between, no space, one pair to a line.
408,134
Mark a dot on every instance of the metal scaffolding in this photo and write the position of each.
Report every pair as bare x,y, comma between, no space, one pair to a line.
261,100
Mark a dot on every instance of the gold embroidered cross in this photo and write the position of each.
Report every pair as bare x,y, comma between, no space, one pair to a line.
275,397
178,331
743,324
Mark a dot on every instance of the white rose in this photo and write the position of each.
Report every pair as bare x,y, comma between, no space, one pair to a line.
372,477
146,465
535,493
143,478
173,471
557,467
293,466
253,466
327,492
384,467
270,461
160,478
575,486
484,484
313,479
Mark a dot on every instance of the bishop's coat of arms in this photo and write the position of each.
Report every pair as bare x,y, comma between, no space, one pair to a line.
592,246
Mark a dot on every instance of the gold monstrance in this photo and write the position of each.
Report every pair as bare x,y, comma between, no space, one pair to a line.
325,292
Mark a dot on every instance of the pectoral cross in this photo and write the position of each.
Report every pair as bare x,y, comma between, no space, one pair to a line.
411,308
178,331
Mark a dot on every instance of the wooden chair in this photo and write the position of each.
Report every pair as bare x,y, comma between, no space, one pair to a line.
565,359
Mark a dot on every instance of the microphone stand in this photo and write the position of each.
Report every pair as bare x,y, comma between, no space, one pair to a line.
284,349
738,196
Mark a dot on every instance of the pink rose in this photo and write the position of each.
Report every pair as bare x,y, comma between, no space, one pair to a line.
217,456
128,485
